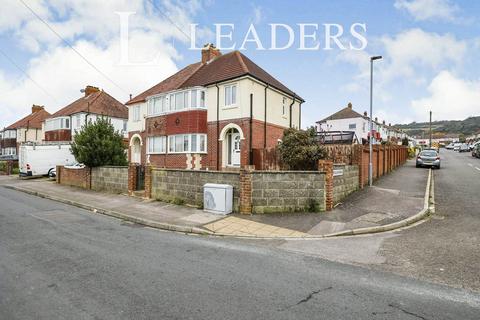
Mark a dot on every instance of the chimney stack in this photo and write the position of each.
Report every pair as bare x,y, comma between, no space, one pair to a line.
349,105
36,108
90,89
365,113
383,122
376,119
390,124
209,52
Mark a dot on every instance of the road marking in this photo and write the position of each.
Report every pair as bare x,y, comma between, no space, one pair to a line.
471,165
477,168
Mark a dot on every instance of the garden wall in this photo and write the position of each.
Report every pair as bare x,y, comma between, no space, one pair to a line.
346,182
288,191
110,178
186,186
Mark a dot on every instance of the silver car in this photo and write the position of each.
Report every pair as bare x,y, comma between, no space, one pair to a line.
428,158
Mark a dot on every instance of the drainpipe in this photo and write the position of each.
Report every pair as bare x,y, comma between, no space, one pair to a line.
250,162
218,127
265,121
290,109
300,115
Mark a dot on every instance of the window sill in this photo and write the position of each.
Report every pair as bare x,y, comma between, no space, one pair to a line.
189,152
233,106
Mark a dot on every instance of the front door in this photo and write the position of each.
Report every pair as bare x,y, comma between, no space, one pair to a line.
235,149
136,151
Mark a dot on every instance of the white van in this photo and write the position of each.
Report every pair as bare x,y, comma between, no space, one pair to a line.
41,159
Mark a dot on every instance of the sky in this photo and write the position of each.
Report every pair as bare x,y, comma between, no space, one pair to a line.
51,49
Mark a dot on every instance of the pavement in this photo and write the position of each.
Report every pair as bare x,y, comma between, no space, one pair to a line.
394,198
395,201
62,262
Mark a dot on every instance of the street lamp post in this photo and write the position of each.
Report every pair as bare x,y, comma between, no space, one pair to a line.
370,165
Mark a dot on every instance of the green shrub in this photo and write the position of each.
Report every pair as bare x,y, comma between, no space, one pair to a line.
3,166
300,150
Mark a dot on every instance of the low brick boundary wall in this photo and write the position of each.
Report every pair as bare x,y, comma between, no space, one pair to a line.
110,178
74,177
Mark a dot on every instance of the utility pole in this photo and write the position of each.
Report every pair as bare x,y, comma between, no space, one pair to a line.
430,129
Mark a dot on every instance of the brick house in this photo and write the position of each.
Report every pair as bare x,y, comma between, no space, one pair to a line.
95,103
27,129
211,114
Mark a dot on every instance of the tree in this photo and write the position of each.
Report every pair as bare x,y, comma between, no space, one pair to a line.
405,141
98,144
300,150
461,138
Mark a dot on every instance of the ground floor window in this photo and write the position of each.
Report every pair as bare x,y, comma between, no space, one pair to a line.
157,144
187,143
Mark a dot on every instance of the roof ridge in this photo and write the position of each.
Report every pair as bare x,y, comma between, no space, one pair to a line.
242,63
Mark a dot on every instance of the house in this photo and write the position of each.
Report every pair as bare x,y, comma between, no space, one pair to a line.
212,114
27,129
61,126
349,120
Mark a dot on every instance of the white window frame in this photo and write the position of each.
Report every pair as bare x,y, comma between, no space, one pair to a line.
136,113
162,140
178,141
350,126
284,107
59,123
192,100
230,99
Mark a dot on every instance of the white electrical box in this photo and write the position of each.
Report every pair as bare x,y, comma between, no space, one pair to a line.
218,198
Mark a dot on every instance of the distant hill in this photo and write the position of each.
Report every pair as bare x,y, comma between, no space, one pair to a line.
443,128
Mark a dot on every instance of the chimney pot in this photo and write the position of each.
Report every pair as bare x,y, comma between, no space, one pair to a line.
383,122
349,105
90,89
365,113
36,108
376,119
209,52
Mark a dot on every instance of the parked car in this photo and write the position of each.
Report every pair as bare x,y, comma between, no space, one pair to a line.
428,158
476,151
464,148
450,146
456,146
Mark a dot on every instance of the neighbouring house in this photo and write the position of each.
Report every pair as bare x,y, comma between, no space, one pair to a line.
348,120
211,114
27,129
63,124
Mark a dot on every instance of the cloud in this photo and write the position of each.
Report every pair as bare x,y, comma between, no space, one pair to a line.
422,10
95,34
450,98
257,14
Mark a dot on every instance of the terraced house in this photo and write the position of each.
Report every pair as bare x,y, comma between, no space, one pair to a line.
27,129
212,114
61,126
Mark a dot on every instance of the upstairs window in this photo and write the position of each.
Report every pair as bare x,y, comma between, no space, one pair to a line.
136,113
230,95
284,106
352,126
57,124
157,105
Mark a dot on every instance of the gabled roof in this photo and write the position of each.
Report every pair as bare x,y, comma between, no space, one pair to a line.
225,67
345,113
33,120
99,102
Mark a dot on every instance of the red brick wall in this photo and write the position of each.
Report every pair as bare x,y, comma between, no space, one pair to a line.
74,177
8,143
194,121
58,135
274,133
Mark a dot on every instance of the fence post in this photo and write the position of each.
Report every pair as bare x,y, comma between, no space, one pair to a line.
148,181
246,189
59,175
327,167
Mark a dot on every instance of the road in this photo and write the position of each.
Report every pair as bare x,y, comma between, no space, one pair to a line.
60,262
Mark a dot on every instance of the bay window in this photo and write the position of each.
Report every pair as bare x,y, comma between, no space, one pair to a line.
57,124
136,113
176,101
187,143
157,144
